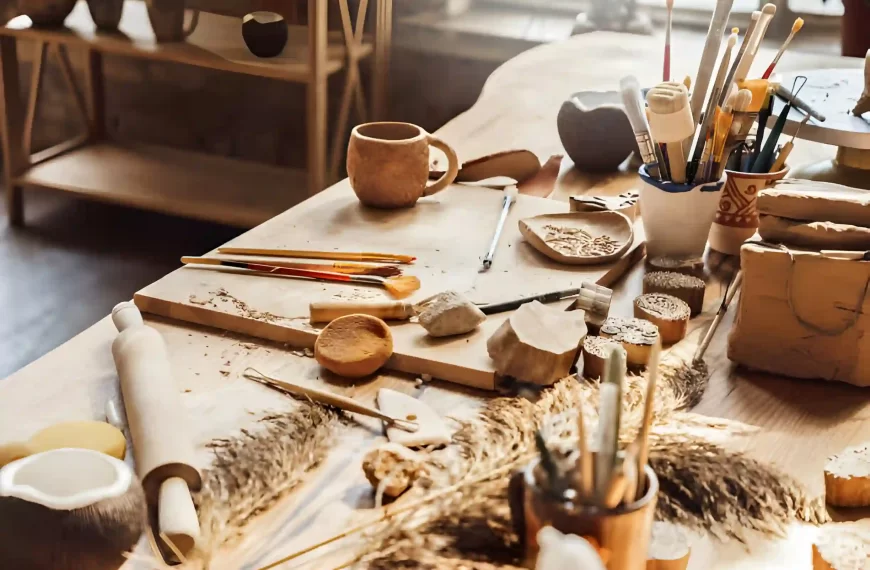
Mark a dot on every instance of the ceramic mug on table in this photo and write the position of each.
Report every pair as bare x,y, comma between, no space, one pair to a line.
677,217
388,164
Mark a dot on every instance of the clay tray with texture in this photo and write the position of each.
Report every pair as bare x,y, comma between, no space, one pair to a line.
448,233
563,237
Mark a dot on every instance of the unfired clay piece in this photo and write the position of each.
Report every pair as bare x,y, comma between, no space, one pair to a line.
432,428
450,313
395,465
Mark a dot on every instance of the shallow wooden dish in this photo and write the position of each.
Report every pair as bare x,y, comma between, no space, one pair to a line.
613,224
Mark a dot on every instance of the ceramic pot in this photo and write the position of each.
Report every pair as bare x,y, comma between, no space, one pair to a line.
265,33
106,13
737,214
69,509
46,12
168,18
388,164
624,531
595,130
677,217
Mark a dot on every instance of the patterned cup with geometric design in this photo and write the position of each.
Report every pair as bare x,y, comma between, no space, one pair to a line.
737,216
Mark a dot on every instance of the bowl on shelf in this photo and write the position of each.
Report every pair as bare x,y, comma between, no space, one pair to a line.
46,12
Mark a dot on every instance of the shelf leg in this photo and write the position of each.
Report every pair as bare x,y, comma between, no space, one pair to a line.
383,41
15,159
33,99
317,95
66,68
95,85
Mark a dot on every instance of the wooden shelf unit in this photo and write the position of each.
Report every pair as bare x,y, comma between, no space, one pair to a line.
180,182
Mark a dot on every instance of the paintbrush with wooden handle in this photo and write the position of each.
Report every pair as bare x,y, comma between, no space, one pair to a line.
347,267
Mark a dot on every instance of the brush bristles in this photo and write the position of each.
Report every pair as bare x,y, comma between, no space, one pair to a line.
798,24
633,102
401,287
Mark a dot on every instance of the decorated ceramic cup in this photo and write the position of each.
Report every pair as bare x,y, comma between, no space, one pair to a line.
737,215
677,217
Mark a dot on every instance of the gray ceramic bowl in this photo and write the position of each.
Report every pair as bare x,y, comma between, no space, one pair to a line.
595,131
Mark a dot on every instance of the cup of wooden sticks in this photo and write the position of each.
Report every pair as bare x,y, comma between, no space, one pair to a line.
737,216
677,216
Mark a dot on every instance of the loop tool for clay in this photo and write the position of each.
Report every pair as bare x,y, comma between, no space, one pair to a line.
330,399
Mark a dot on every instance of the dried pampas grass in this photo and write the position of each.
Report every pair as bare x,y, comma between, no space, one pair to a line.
257,468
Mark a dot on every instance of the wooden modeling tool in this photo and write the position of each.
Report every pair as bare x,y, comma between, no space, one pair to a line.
334,255
326,312
634,109
162,444
712,103
609,420
510,196
666,72
347,267
641,443
729,79
432,428
330,399
671,123
767,13
723,308
590,297
708,57
786,149
399,287
795,28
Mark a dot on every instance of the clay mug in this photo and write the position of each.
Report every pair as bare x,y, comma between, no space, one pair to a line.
388,164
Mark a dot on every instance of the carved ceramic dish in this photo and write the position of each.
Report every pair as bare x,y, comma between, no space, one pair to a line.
579,238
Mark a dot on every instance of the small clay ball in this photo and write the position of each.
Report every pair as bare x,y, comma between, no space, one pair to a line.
354,346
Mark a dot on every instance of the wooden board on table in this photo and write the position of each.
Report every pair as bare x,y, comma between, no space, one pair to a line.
449,233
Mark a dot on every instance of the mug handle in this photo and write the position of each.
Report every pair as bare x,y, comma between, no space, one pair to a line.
452,167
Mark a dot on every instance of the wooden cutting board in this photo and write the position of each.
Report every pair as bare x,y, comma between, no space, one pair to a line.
449,233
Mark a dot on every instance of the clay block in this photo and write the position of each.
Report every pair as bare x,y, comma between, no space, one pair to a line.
816,202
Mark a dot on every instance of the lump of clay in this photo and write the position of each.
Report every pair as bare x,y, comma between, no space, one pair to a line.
354,346
847,478
450,314
394,465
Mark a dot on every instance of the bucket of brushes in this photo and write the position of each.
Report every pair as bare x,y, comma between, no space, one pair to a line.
737,216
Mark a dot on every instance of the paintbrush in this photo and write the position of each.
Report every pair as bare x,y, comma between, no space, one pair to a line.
609,420
670,122
763,117
634,109
758,33
708,57
590,297
510,196
765,158
795,28
330,399
335,255
733,287
399,287
729,80
347,267
666,72
642,440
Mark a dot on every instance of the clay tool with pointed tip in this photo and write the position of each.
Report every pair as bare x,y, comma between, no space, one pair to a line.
786,149
795,28
510,196
330,399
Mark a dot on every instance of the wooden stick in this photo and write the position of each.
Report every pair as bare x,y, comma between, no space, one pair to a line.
729,296
33,99
334,255
648,407
609,412
330,399
585,472
708,56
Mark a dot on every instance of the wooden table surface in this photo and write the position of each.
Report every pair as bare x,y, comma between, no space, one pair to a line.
802,421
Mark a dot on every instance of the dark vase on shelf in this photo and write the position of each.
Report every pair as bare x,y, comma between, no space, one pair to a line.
167,20
46,12
856,27
106,13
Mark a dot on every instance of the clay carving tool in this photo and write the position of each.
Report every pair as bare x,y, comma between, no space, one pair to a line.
708,57
763,116
634,109
671,123
729,79
330,399
795,28
767,13
666,72
510,196
162,443
735,137
399,287
733,287
713,101
786,149
590,297
348,267
609,418
784,93
333,255
765,157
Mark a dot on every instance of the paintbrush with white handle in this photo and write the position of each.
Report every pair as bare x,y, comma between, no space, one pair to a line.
729,80
758,33
795,28
510,196
708,57
632,100
670,121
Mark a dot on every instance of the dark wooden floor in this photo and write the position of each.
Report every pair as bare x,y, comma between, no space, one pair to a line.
74,260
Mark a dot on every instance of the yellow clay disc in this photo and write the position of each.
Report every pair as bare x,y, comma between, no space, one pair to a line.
98,436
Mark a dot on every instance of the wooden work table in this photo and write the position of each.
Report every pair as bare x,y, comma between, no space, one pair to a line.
802,422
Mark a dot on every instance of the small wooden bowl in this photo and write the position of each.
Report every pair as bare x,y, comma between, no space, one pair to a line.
613,224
